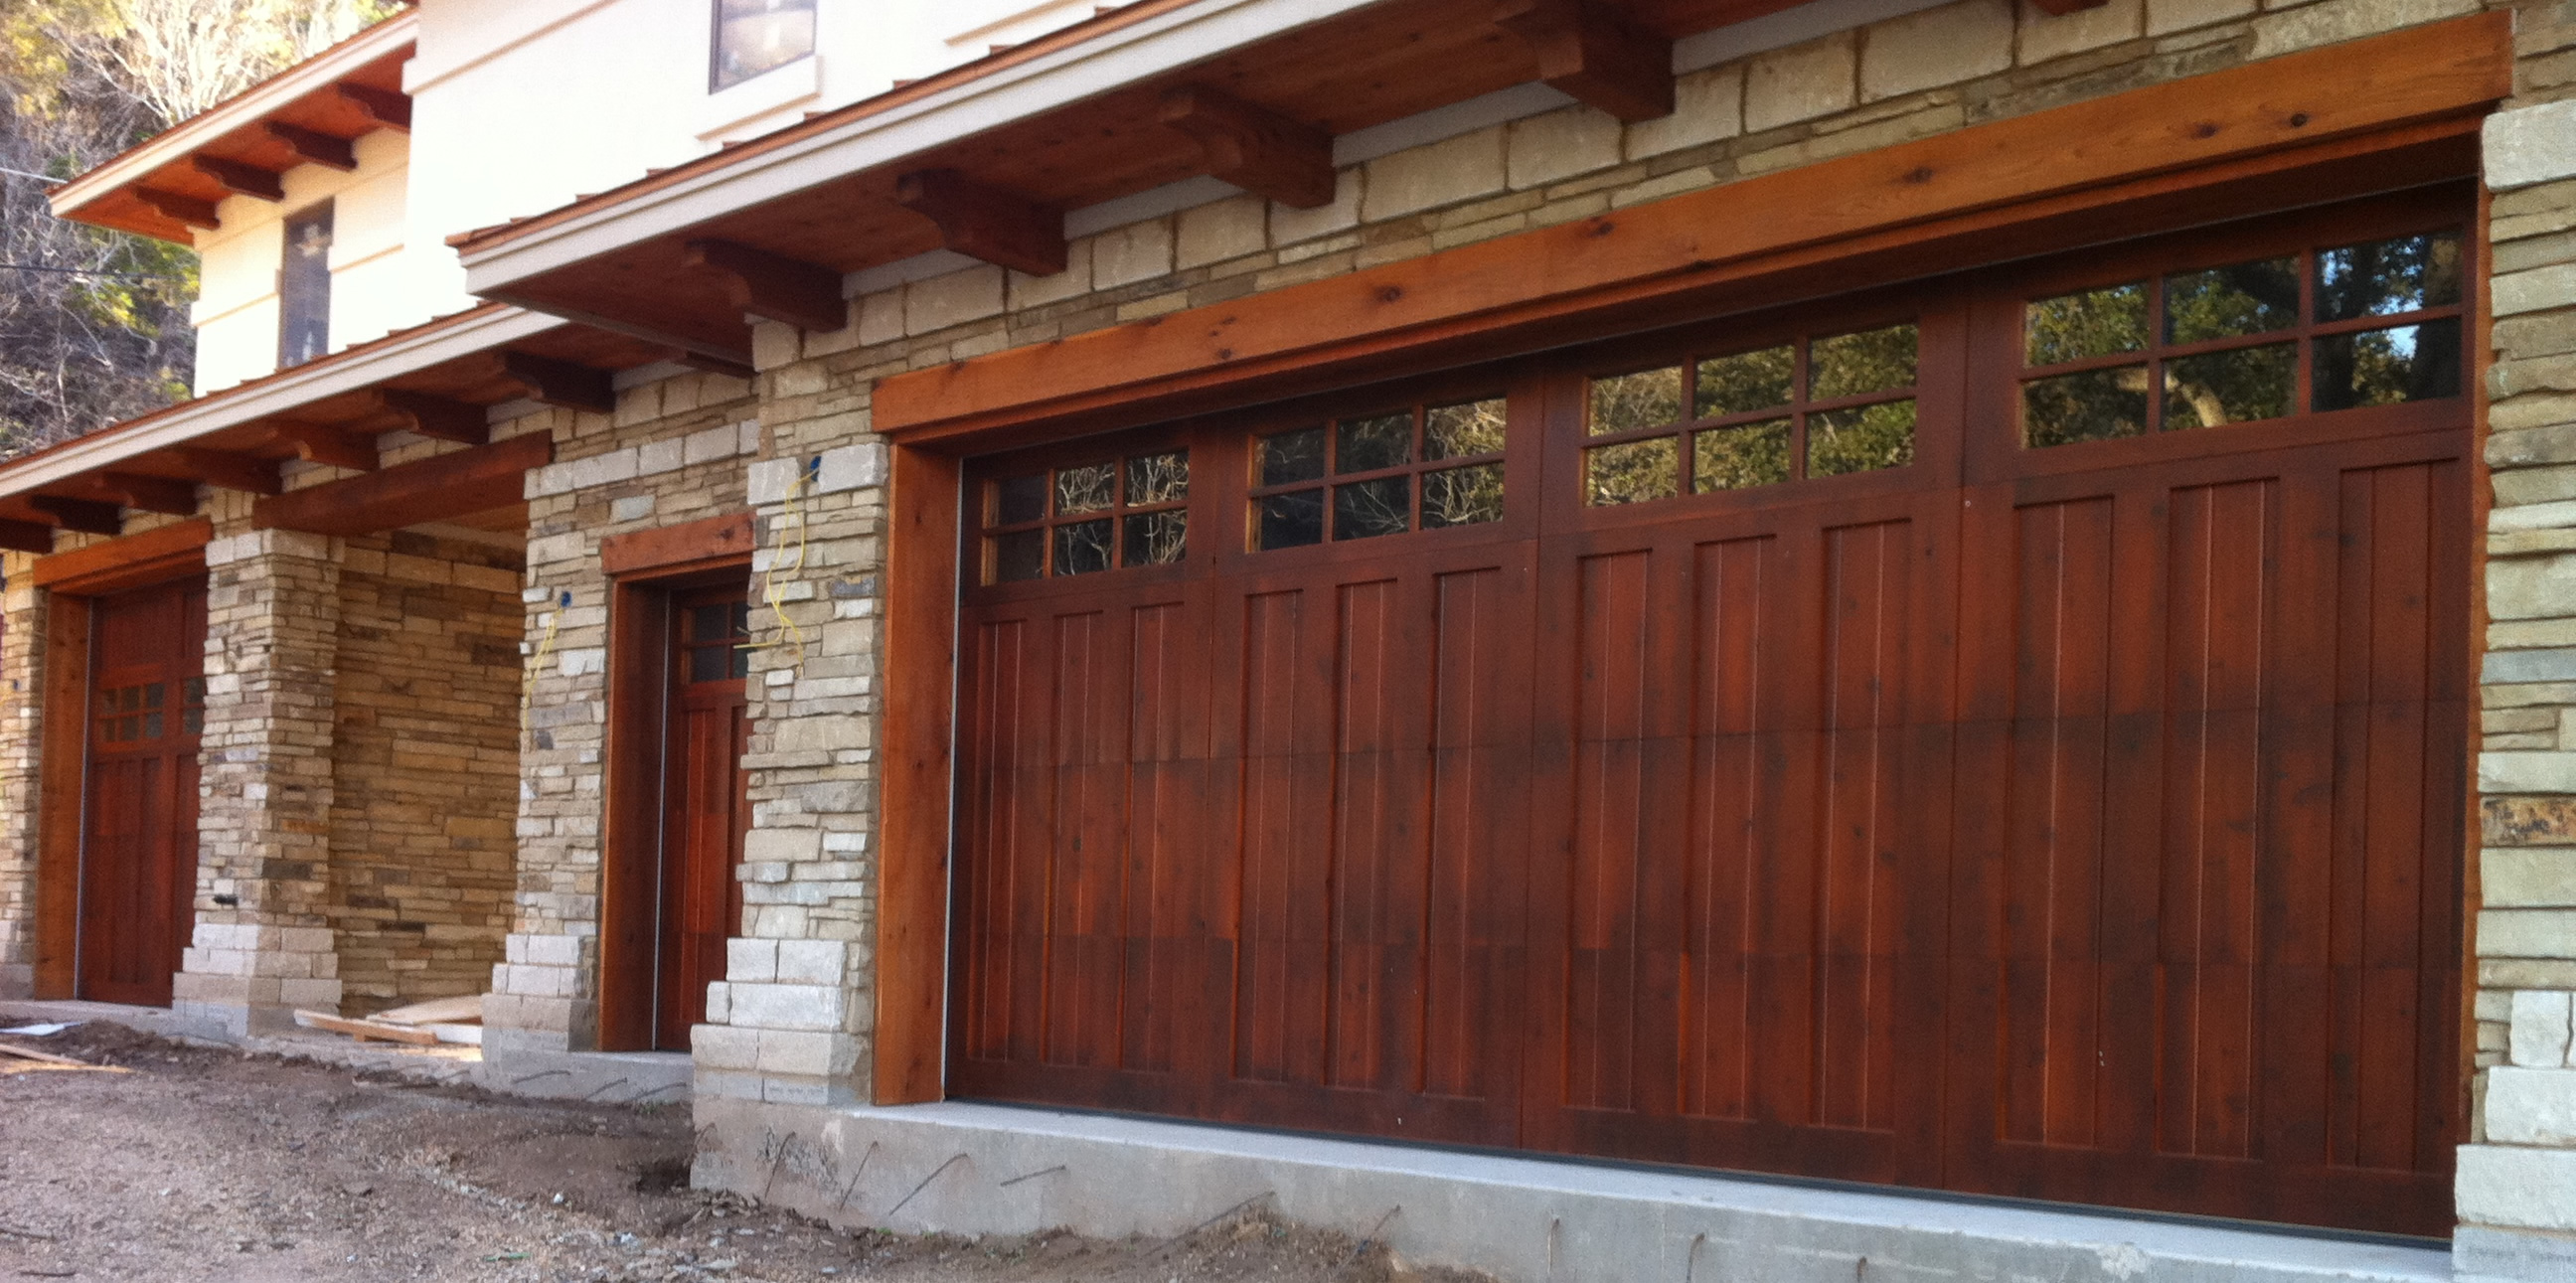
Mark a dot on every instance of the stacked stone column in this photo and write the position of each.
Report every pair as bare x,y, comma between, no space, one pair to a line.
22,685
263,944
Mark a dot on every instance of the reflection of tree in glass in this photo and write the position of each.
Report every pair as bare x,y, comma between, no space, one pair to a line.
2387,277
2384,367
1632,473
2099,322
2236,386
1462,496
1157,538
1862,439
1745,382
1086,489
1843,365
1367,509
1158,478
1739,458
2225,302
1462,431
1647,399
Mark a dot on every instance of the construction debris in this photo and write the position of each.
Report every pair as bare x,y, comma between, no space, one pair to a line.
456,1021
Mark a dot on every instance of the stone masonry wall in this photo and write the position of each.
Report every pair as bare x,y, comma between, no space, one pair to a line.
673,452
792,1023
425,765
2517,1178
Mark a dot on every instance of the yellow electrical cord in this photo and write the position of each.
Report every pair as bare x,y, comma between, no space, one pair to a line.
770,580
537,664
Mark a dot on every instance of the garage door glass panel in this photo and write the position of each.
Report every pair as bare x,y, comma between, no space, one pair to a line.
1847,399
1359,478
1087,518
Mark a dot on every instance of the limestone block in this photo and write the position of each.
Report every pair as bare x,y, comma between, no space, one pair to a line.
778,1006
850,467
812,962
751,961
2516,1186
1558,145
634,507
1801,82
712,444
1707,105
1441,173
2526,933
785,845
1135,252
654,458
2535,290
2531,1106
773,344
2164,16
1225,229
2527,877
2045,35
2337,20
1935,47
768,480
953,299
2539,1028
880,317
1073,282
2556,664
719,1002
724,1047
1289,225
2527,772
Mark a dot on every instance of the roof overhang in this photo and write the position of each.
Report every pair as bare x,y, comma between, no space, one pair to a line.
1156,92
311,113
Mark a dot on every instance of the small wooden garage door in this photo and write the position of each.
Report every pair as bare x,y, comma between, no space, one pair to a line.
138,870
2004,735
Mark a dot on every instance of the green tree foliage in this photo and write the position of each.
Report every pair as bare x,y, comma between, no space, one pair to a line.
93,324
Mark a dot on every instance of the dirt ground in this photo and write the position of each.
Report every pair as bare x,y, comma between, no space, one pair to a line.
202,1164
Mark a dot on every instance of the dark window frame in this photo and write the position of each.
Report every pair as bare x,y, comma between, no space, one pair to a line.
304,287
717,81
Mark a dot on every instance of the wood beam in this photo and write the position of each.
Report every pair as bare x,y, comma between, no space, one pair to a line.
323,149
227,470
706,364
26,536
2061,8
985,222
88,516
562,383
149,494
1591,51
771,286
182,209
126,561
314,443
240,179
1253,147
447,485
390,108
436,416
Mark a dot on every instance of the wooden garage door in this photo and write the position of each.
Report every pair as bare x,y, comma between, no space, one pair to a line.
2003,735
138,867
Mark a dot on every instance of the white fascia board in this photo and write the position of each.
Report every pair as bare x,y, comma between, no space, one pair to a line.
1151,47
279,396
295,82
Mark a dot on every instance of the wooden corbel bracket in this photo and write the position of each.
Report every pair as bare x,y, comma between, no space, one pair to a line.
1253,147
1593,52
985,222
772,287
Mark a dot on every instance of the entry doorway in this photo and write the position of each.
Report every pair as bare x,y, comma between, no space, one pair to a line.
679,730
138,851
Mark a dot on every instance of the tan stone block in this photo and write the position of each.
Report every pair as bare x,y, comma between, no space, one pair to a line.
1708,105
1229,228
773,344
1935,47
1800,82
1290,225
954,299
1441,173
2528,877
1135,252
2045,35
2332,21
1543,149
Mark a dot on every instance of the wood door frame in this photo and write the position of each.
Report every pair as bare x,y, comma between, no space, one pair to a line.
644,569
73,582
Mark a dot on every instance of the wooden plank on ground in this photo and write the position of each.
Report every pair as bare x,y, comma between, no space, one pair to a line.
364,1030
437,1011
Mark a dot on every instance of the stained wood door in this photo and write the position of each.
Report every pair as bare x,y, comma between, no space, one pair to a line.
705,811
2003,735
138,874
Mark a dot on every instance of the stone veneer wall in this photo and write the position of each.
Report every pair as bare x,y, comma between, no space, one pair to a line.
425,765
792,1022
673,452
2517,1180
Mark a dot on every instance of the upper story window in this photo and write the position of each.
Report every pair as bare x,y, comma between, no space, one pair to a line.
753,36
304,287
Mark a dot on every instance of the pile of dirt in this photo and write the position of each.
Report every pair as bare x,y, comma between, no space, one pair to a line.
205,1164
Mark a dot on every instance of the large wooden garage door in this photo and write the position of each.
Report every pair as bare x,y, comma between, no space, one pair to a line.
2004,735
138,859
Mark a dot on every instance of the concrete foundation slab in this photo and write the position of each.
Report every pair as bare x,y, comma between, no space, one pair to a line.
605,1077
981,1169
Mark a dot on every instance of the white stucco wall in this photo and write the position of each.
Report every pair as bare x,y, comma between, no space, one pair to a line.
236,308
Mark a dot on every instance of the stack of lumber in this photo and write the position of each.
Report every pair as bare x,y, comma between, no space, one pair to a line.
449,1020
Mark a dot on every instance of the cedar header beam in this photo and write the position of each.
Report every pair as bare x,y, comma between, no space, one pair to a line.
240,179
562,383
181,209
230,471
447,485
387,107
1589,50
771,286
321,148
436,416
149,494
314,443
985,222
1254,148
88,516
26,536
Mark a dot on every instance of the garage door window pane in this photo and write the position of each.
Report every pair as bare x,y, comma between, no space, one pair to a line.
2384,278
2231,387
1629,402
1019,499
1632,473
1756,454
1291,457
1157,538
1368,509
1086,489
1863,439
2099,322
1367,445
1158,478
2385,367
1082,548
1858,364
1745,382
2225,302
1291,520
2097,405
1462,496
1462,431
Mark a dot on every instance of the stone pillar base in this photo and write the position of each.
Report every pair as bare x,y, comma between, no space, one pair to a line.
541,998
2483,1254
246,978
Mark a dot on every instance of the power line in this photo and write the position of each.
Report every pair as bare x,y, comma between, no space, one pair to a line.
21,173
84,271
